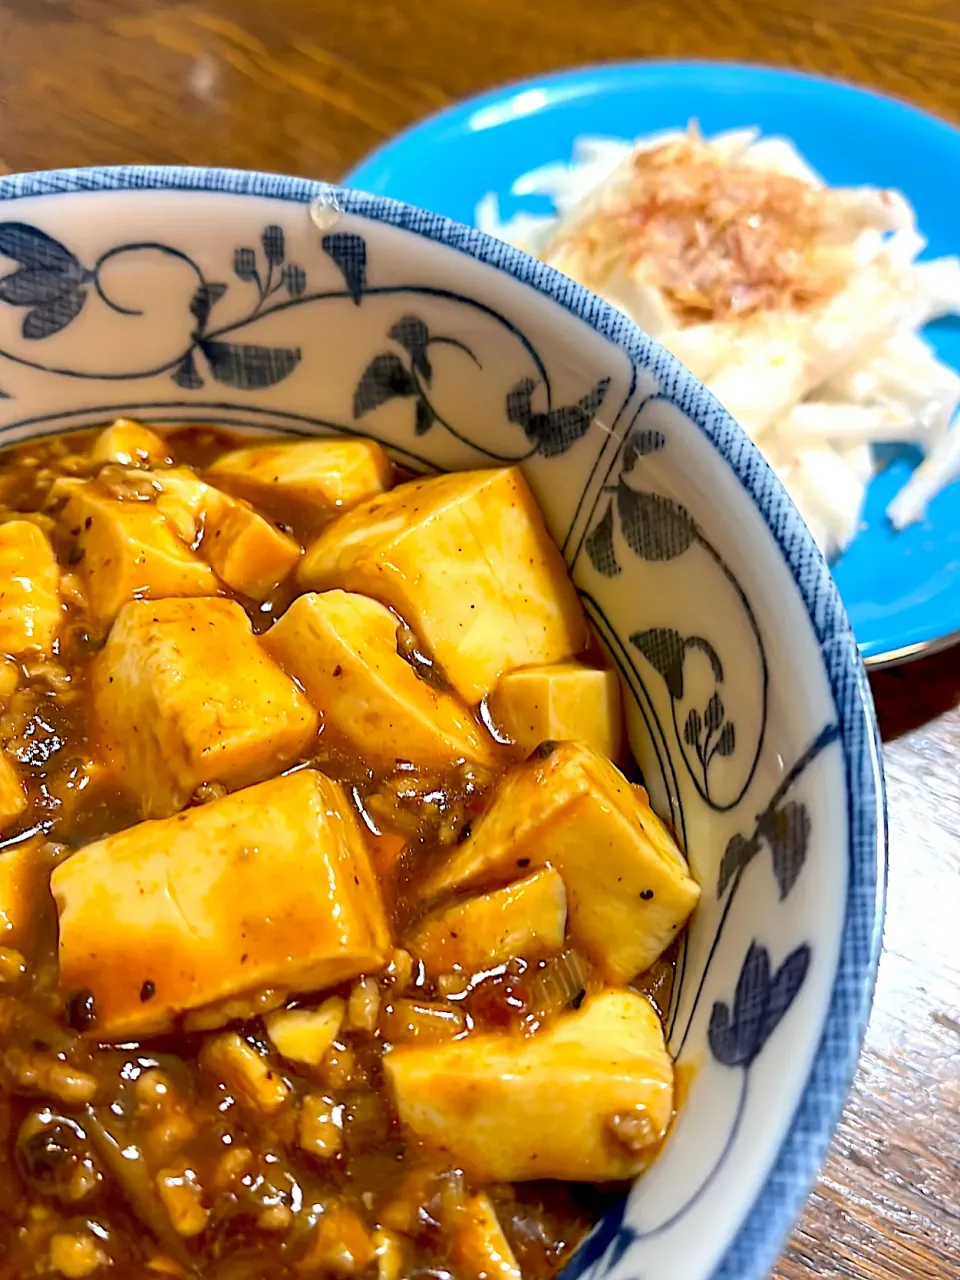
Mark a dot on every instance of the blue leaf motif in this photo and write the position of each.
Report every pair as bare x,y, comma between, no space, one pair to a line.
385,378
556,430
273,245
599,545
245,264
787,831
784,826
759,1004
713,716
638,445
350,254
202,301
519,402
51,317
412,334
249,368
727,740
784,989
663,648
49,280
736,857
295,278
425,417
734,1038
34,286
185,374
34,248
656,528
706,648
591,402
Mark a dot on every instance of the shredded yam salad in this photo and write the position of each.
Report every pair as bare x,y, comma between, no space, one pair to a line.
799,305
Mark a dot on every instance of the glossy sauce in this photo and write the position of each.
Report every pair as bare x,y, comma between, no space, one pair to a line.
104,1148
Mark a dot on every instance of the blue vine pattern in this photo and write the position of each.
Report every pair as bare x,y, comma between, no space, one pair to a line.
389,376
658,529
739,1029
53,285
783,827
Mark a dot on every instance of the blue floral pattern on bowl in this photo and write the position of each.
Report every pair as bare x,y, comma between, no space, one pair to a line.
747,706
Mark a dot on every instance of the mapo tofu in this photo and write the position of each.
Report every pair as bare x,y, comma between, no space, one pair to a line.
309,963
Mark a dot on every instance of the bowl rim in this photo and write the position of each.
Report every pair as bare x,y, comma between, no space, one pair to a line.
766,1224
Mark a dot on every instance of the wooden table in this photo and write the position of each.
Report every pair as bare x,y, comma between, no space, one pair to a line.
306,87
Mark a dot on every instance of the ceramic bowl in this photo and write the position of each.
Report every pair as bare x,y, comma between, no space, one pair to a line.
203,295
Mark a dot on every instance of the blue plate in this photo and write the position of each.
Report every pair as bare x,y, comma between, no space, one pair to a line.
902,590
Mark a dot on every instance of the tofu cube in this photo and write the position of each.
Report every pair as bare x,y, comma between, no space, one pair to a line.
342,648
268,888
29,589
583,1100
248,553
466,561
566,702
131,445
184,694
629,890
526,919
181,500
13,795
128,550
22,881
323,476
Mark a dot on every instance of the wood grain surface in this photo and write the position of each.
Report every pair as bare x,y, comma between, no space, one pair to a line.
308,86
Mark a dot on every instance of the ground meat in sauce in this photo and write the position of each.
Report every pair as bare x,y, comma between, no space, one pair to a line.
132,1160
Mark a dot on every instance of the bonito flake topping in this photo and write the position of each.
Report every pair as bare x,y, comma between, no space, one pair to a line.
798,304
